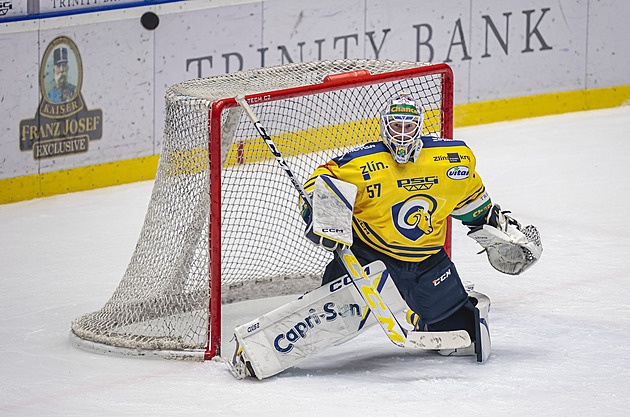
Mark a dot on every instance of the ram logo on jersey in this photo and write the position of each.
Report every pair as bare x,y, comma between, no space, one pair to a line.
417,184
371,167
412,217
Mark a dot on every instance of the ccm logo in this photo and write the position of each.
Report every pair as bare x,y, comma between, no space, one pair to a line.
442,278
332,230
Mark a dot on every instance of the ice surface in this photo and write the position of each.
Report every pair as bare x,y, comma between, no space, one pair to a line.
559,331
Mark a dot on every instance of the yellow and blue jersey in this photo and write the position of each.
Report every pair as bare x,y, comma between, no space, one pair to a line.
401,209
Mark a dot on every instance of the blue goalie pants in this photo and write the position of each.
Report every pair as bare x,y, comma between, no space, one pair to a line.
431,288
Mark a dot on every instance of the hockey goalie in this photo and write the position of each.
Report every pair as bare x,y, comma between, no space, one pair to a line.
382,209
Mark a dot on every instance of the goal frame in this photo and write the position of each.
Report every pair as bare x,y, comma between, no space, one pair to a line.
331,83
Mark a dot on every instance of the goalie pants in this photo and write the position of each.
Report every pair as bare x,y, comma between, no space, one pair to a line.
431,288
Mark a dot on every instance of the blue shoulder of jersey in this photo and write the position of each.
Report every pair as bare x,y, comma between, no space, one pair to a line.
366,149
436,142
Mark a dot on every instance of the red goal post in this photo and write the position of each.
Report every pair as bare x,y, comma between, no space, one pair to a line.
223,222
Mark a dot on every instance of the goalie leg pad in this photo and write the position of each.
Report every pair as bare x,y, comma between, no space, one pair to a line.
327,316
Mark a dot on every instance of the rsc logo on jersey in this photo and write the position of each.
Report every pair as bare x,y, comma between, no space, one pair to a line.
413,217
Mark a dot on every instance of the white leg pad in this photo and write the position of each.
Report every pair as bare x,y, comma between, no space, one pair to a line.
327,316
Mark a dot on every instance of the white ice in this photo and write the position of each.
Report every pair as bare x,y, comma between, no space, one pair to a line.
560,331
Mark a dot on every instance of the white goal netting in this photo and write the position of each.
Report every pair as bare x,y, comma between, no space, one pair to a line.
162,302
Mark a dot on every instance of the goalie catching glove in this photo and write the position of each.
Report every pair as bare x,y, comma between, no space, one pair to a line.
511,249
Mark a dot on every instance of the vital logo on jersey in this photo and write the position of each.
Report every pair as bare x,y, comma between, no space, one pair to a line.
371,167
417,184
413,217
458,173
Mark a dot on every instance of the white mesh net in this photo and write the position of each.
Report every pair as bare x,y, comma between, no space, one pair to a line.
162,301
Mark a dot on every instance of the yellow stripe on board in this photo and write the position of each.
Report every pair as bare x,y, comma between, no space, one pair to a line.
139,169
78,179
540,105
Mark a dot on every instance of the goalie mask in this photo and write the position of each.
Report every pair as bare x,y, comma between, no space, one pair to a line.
401,127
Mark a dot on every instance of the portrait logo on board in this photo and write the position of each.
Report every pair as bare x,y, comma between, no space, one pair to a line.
63,125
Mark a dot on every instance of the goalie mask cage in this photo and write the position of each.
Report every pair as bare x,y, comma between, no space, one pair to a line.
224,215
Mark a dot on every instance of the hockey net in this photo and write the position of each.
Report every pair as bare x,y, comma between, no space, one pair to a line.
223,222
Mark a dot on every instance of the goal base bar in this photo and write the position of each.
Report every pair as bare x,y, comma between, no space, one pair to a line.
103,349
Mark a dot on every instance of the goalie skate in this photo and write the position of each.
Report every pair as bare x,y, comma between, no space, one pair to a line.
240,366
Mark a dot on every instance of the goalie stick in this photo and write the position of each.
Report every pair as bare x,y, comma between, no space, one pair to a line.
379,308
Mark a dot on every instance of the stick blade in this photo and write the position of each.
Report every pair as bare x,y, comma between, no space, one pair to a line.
454,339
